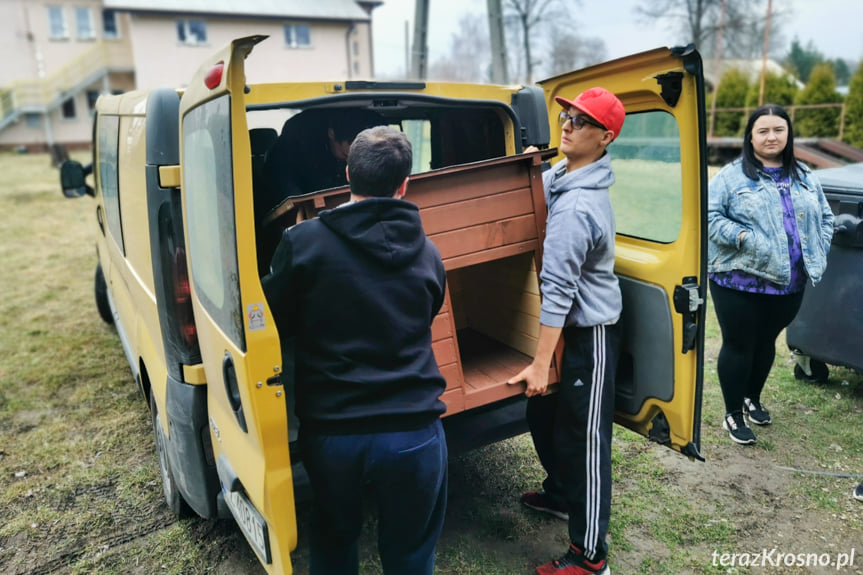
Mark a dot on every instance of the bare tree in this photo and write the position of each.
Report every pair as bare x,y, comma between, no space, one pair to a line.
470,54
697,21
569,51
525,16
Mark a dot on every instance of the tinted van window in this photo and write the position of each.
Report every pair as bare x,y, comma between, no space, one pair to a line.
109,130
209,183
648,191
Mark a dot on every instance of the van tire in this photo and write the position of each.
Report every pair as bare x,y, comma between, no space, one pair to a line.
173,497
101,291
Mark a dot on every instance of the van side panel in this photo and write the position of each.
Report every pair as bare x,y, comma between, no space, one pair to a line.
188,446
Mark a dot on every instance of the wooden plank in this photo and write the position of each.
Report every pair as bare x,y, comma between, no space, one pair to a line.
815,157
467,213
841,149
445,352
476,378
454,400
486,395
442,327
496,322
501,302
500,367
447,188
453,376
493,253
485,237
509,273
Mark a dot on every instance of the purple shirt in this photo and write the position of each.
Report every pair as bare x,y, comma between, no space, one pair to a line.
743,281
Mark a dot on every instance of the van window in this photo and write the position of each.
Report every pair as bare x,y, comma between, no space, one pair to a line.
109,133
419,134
208,180
647,194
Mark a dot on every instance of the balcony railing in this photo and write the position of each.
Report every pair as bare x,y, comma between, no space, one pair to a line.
46,93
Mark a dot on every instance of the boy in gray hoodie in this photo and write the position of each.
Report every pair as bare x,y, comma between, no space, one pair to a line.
581,301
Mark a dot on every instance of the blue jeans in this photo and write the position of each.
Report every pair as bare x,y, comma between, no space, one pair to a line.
407,473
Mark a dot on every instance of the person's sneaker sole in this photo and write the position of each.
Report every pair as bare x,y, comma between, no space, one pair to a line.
734,439
858,494
756,422
555,513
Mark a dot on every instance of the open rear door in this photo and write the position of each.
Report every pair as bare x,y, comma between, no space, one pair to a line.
659,199
238,339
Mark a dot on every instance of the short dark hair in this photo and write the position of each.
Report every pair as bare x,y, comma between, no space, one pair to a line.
379,161
790,166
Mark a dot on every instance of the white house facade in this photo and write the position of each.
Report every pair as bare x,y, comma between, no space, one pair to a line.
68,52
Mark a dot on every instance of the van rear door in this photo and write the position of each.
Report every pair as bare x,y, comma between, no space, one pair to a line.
238,341
659,199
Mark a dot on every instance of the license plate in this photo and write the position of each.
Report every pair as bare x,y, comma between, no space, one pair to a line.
251,523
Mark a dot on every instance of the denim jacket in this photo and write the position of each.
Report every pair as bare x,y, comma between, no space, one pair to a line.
737,204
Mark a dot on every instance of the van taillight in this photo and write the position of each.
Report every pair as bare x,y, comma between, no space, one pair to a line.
214,76
183,299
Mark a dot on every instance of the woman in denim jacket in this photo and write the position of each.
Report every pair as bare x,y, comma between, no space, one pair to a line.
769,230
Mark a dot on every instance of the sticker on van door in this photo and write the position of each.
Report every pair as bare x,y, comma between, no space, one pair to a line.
255,313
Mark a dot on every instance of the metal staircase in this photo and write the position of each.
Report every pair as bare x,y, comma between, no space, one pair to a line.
43,95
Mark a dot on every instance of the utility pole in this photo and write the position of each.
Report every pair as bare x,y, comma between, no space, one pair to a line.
419,62
499,73
717,67
764,49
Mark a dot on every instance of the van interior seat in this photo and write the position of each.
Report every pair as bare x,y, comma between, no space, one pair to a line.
260,141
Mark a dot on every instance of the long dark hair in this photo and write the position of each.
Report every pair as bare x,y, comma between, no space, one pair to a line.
790,166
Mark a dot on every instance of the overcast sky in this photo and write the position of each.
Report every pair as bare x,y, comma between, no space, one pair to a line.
833,25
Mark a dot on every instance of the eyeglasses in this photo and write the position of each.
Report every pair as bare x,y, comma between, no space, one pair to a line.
578,121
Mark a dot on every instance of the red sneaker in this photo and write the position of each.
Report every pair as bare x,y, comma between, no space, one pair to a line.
574,563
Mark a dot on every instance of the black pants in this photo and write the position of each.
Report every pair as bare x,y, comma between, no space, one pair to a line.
750,324
572,429
407,472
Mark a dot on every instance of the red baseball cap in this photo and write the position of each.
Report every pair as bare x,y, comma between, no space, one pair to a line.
599,104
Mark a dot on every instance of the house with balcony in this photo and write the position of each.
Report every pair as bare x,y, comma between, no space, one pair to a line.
62,54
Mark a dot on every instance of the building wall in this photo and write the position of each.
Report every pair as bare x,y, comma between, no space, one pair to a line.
155,42
26,29
337,51
13,40
32,132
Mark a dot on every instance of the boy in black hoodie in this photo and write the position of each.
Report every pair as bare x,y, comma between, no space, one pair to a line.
359,287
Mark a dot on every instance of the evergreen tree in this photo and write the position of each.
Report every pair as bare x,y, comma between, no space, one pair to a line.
854,110
842,71
821,89
778,89
803,60
731,94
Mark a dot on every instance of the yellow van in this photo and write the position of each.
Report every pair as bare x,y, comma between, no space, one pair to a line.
183,224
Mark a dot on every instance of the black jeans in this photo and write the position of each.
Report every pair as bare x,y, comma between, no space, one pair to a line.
571,430
750,324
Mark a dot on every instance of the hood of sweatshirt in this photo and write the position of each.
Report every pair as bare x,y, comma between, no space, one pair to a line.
596,175
386,229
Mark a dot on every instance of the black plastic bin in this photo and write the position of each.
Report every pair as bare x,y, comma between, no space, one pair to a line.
829,327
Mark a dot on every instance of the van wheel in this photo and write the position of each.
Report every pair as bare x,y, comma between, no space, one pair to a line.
101,291
173,497
819,369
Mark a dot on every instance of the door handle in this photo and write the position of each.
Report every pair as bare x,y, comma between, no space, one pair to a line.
687,302
232,388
